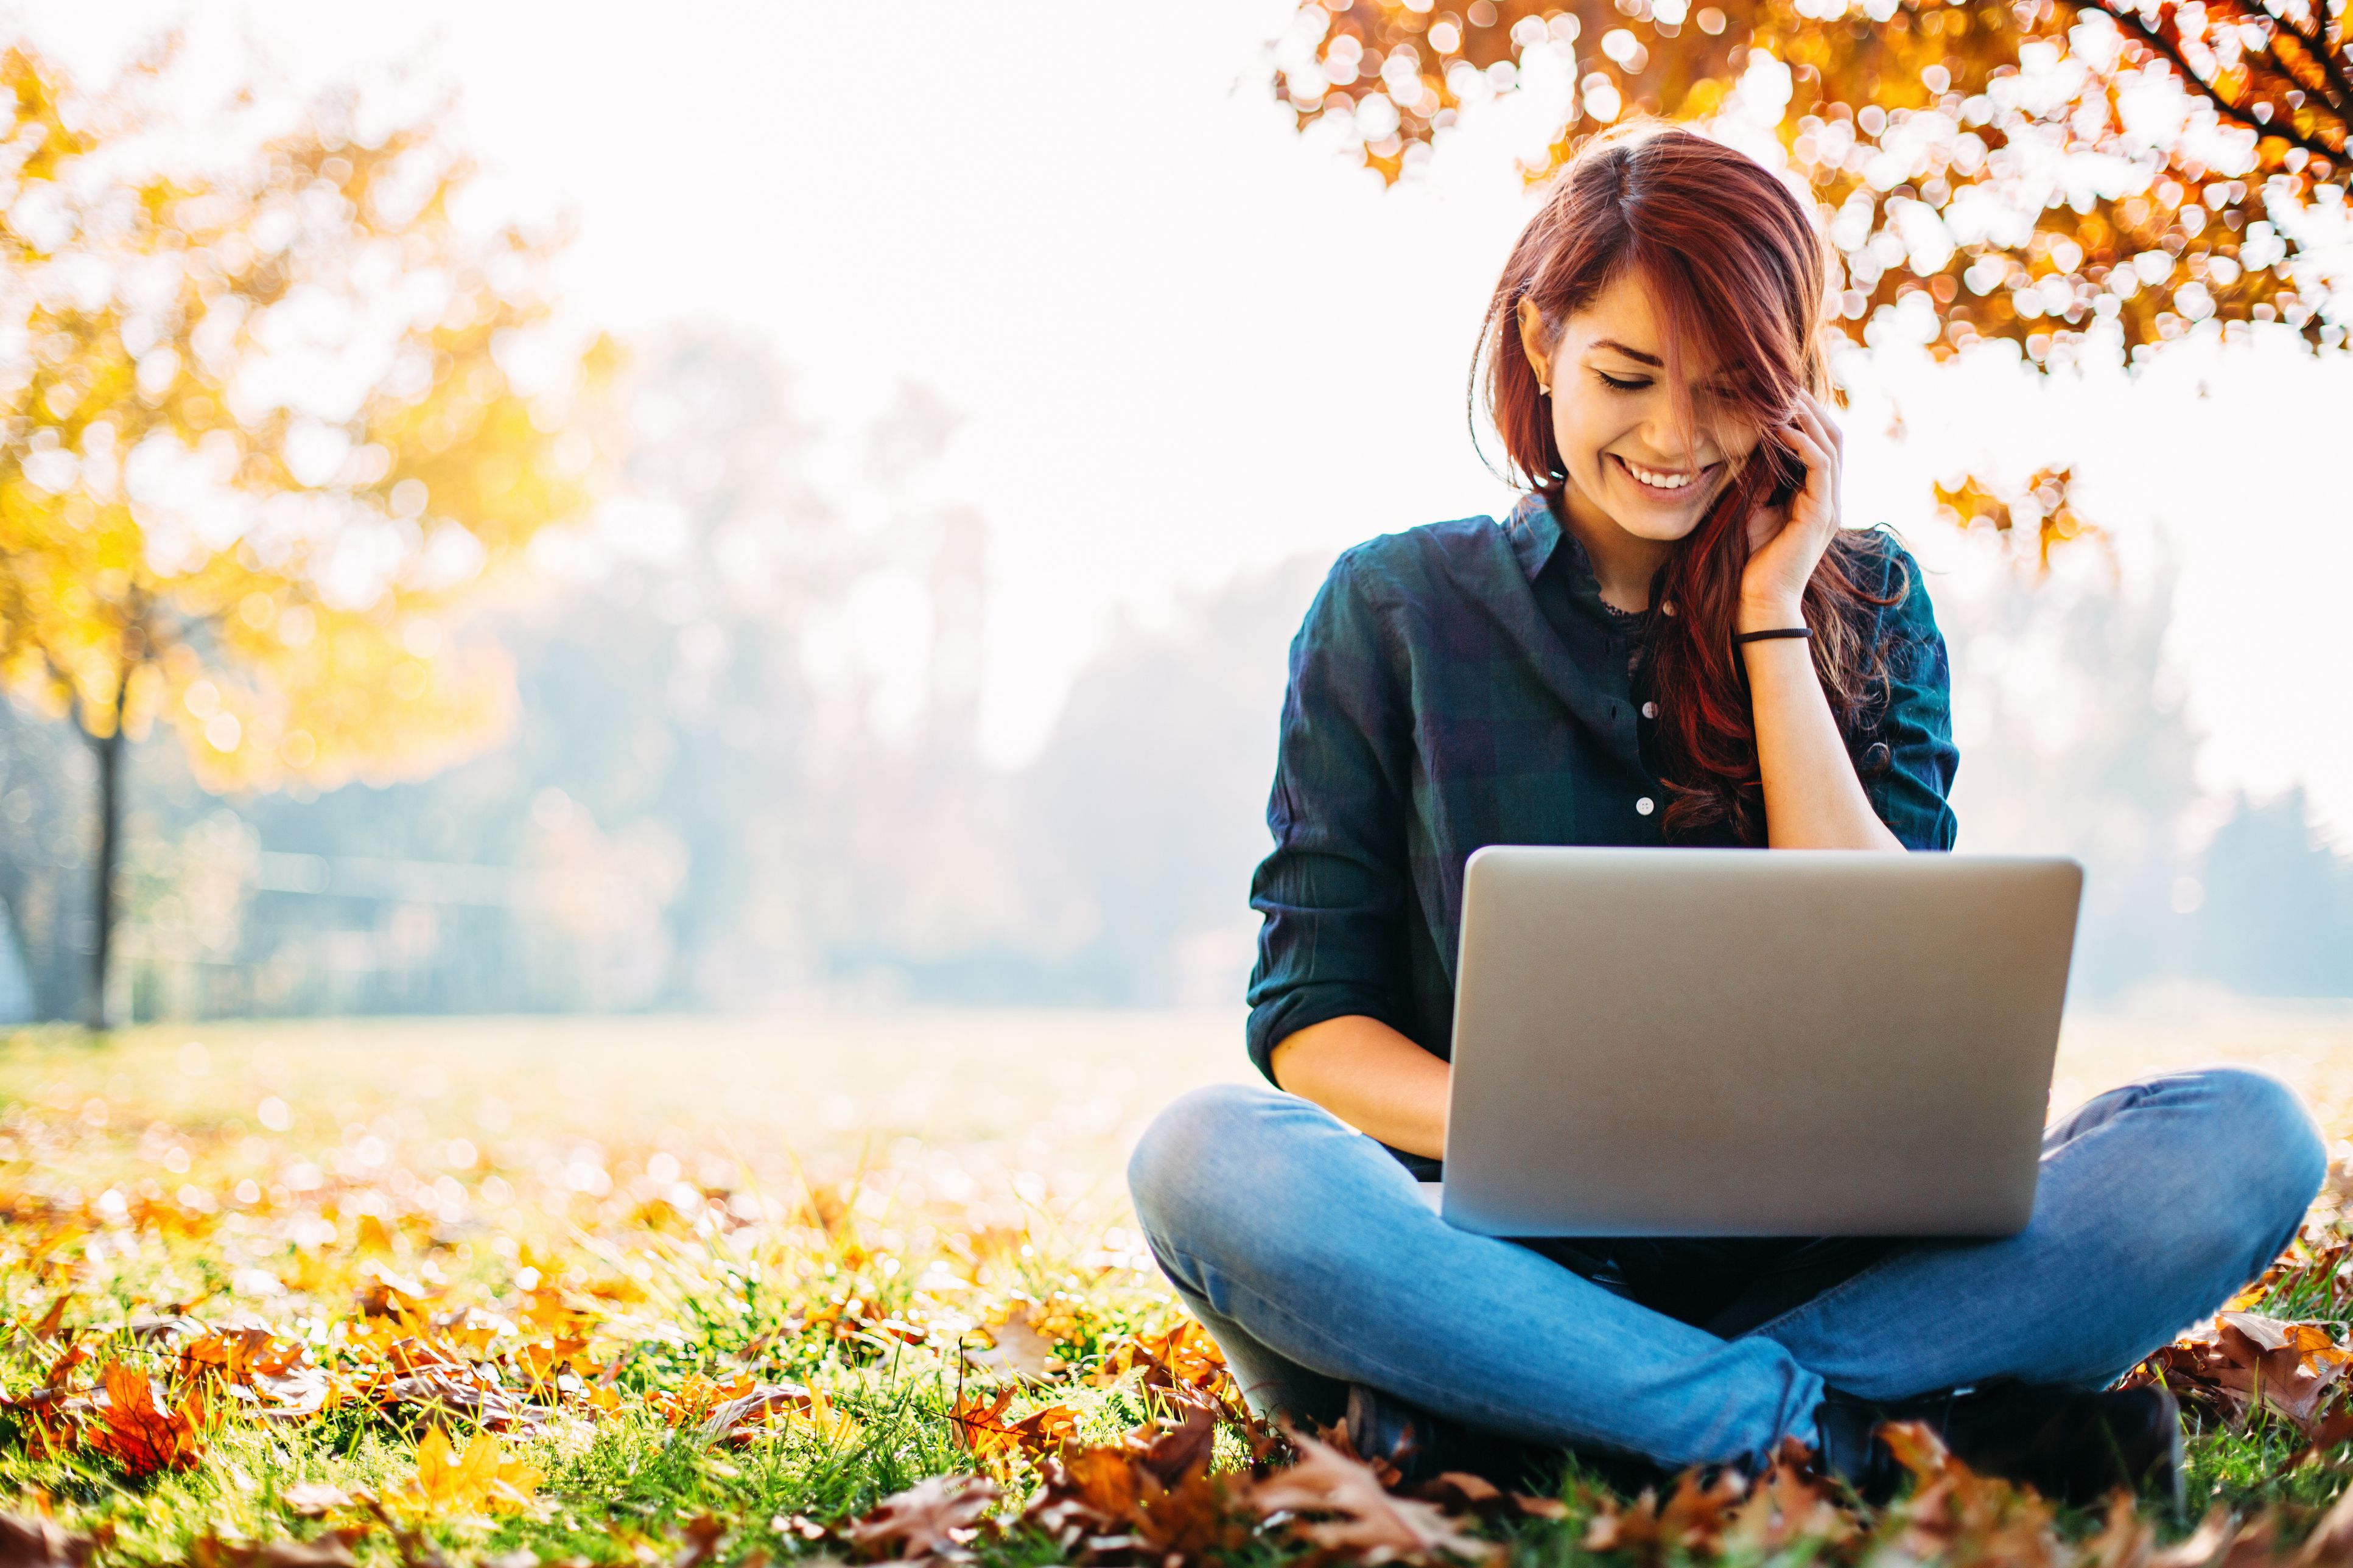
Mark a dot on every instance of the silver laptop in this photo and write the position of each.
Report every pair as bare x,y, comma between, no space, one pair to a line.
1699,1042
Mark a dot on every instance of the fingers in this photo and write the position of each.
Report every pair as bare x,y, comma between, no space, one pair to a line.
1810,418
1821,421
1814,453
1817,499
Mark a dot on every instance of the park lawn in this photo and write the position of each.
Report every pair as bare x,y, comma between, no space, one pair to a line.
686,1291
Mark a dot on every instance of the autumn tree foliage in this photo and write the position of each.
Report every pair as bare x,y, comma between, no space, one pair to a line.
2036,170
268,409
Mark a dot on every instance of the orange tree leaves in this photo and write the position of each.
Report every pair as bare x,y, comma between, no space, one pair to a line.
261,419
1988,170
2040,514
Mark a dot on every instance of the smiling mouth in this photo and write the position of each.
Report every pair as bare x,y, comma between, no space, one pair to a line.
1663,482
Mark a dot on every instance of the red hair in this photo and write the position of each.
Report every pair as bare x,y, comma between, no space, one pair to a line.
1732,264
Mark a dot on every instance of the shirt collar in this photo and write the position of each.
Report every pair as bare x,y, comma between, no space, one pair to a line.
1537,536
1534,532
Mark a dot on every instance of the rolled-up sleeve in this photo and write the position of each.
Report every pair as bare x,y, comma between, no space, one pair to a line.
1333,892
1911,791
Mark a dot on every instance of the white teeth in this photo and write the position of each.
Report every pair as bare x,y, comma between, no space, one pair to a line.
1659,482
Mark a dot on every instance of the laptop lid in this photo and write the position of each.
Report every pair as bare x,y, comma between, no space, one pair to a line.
1699,1042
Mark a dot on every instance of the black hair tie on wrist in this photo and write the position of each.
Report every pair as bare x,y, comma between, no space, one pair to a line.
1740,637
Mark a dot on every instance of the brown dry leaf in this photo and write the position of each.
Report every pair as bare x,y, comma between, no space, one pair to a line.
699,1540
1101,1488
231,1353
2202,1546
2330,1544
2250,1361
2126,1539
466,1393
1789,1503
1458,1491
542,1361
2331,1429
1183,1360
697,1396
1193,1521
741,1418
932,1520
1170,1454
298,1393
72,1356
1692,1521
981,1426
390,1295
1016,1350
274,1377
1048,1430
28,1542
313,1500
1339,1504
1152,1490
144,1433
1956,1514
332,1550
53,1318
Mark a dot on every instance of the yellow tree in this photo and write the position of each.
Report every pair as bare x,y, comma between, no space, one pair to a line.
268,409
2036,170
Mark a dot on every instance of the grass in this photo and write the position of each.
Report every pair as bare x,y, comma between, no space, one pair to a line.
615,1229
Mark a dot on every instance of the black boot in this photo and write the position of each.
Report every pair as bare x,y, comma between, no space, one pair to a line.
1420,1447
2072,1444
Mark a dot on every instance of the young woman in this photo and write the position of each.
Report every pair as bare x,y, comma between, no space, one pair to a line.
1587,671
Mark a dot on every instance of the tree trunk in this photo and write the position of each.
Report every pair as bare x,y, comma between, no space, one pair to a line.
110,834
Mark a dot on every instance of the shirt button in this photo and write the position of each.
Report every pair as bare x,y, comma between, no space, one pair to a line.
1645,806
1650,709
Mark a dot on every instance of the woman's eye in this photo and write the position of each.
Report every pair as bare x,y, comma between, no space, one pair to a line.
1615,384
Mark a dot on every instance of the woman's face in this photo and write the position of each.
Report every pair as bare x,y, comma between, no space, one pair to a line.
1613,415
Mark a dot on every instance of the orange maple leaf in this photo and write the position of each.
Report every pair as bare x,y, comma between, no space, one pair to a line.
143,1432
483,1479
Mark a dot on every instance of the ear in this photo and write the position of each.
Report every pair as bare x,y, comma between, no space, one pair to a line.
1536,341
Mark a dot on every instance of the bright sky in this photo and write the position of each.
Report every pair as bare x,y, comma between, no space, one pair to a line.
1188,343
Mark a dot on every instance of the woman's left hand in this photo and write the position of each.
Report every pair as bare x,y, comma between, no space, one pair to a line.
1785,543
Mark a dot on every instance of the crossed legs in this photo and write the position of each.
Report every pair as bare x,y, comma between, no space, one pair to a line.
1307,1251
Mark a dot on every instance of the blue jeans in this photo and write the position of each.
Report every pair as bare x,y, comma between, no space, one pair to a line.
1304,1248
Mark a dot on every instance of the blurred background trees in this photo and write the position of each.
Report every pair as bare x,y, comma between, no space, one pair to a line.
467,664
268,412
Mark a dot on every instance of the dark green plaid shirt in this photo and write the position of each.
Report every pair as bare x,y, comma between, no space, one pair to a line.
1463,684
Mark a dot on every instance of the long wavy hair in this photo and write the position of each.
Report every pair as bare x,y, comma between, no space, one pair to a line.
1732,264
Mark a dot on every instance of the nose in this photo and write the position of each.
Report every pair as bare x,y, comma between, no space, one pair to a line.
1669,442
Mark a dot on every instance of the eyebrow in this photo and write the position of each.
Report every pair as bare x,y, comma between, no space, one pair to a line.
1616,347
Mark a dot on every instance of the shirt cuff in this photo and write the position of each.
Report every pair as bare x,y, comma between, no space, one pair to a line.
1280,1016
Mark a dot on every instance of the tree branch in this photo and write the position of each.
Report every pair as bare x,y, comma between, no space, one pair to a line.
2335,87
2342,82
2129,19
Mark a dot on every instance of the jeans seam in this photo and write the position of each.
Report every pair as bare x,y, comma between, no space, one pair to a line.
1388,1369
